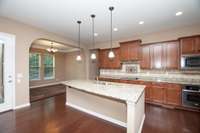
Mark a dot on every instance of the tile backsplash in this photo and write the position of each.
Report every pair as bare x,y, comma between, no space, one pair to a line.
134,70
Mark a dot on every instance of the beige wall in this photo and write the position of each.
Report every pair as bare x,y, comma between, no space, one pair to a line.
59,69
25,35
171,34
75,69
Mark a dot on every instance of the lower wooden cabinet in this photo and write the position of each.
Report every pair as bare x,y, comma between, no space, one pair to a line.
173,95
156,93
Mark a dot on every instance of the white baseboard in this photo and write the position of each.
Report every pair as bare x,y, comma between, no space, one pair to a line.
120,123
22,106
141,124
44,85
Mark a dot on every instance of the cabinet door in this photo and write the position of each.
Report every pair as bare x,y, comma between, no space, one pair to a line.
101,58
134,51
157,94
145,62
124,52
173,95
148,92
197,44
172,55
157,56
187,45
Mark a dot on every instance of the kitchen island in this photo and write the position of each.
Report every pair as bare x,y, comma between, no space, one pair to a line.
119,103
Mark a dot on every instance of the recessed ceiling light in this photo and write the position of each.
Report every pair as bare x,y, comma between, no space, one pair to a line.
179,13
95,34
115,29
141,22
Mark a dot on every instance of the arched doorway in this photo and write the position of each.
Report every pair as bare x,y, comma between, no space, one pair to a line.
47,68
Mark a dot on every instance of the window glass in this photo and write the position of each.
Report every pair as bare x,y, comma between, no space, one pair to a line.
49,66
34,66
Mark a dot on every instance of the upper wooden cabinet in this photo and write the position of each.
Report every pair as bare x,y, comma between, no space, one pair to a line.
163,55
145,62
190,45
157,56
172,56
106,63
129,51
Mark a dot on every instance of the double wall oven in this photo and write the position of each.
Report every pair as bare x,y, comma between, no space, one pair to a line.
191,96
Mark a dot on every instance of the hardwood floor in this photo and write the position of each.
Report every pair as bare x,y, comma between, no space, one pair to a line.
52,116
45,92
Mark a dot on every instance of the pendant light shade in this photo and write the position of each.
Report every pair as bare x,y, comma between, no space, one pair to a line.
93,54
78,57
111,54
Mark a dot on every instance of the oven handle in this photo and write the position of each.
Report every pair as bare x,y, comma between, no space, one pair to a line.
185,90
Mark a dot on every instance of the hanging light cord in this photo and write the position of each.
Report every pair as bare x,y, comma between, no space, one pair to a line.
111,36
93,31
79,30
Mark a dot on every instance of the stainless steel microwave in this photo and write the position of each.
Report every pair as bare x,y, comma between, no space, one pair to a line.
190,62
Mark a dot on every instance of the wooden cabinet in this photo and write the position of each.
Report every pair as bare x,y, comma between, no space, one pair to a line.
106,63
155,92
145,62
190,45
129,51
187,45
198,44
157,56
172,56
160,56
173,94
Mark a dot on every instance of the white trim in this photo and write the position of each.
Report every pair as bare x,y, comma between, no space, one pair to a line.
44,85
22,106
107,118
141,124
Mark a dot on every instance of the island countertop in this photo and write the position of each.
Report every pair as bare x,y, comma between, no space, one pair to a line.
120,91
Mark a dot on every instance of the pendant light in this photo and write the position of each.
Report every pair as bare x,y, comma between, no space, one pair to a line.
111,54
78,57
52,49
93,54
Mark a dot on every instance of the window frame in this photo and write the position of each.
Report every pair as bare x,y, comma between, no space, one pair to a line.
39,66
53,76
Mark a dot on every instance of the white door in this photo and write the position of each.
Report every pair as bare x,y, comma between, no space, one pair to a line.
7,71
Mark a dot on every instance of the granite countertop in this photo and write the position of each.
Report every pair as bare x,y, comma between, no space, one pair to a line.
120,91
155,79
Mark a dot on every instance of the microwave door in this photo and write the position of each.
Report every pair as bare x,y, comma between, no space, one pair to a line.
192,62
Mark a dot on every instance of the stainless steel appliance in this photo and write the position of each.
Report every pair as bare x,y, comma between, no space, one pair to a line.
191,96
190,62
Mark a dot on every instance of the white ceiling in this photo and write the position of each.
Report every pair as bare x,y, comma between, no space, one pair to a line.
44,44
60,16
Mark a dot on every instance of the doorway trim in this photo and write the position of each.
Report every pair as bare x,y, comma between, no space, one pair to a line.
9,38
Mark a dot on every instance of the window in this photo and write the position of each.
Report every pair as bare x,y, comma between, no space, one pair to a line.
49,66
34,66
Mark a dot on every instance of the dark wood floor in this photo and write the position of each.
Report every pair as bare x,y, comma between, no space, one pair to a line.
52,116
